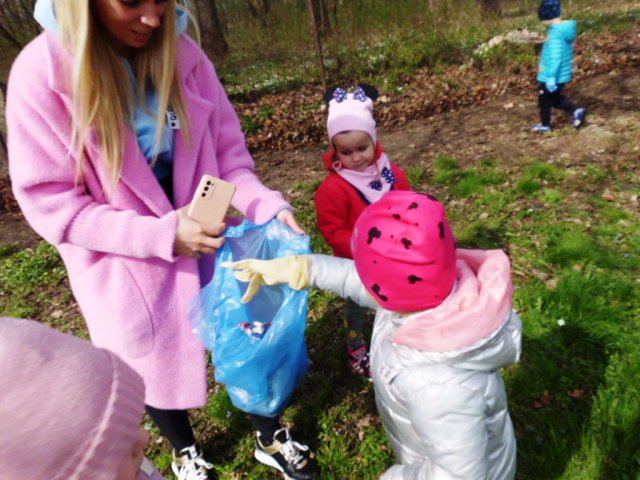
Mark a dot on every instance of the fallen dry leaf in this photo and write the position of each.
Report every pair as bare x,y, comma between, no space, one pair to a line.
577,393
543,401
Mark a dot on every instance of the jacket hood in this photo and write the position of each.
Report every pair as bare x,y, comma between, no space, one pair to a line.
474,328
567,28
45,15
478,306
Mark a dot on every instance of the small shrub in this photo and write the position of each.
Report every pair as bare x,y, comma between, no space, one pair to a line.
249,125
527,186
415,174
26,270
551,196
7,249
444,162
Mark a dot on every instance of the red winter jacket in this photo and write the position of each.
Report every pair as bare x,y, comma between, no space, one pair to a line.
339,204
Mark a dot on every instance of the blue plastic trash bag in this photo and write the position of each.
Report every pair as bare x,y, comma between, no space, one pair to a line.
258,348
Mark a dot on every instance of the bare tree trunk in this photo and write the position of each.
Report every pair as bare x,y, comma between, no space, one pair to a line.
17,25
334,12
3,102
321,15
491,7
316,38
259,9
3,146
8,37
211,33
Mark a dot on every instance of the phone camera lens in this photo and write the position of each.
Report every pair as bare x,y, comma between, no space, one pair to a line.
206,188
208,182
204,194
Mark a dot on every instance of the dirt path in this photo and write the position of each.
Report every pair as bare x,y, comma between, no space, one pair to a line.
495,130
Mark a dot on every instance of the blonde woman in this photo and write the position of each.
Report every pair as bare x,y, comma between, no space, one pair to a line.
114,114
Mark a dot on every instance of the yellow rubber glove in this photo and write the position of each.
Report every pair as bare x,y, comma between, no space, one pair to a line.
292,270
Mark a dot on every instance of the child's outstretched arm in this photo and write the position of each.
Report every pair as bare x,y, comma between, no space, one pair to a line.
292,270
337,275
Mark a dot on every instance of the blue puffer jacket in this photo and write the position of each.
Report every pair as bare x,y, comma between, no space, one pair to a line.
556,60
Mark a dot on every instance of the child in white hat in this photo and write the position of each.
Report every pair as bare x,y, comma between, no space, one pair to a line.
359,174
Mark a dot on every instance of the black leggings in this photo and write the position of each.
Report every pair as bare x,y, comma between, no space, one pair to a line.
267,426
173,424
547,100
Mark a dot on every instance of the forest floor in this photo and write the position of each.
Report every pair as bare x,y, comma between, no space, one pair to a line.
469,112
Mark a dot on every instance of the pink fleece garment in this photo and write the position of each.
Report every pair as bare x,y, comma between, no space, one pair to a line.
117,246
68,410
478,305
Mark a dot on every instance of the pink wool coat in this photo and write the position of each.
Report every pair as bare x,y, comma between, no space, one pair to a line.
117,247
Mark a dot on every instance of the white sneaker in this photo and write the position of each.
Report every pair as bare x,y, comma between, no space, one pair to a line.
541,128
578,117
189,464
293,459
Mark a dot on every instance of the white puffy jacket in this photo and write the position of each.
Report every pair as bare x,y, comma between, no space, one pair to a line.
445,412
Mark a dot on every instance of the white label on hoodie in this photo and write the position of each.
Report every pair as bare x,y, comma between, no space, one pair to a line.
172,119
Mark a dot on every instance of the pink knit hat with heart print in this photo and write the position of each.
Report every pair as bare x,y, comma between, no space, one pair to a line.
351,111
68,410
405,251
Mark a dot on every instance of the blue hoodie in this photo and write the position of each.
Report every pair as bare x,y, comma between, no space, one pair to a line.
144,121
556,60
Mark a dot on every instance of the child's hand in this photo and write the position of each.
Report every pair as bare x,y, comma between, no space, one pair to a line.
551,85
293,270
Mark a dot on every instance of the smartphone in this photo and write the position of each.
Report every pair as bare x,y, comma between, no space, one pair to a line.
211,201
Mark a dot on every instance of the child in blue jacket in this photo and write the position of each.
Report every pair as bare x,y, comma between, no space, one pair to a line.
556,66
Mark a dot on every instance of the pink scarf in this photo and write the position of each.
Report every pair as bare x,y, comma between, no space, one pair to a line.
374,182
476,308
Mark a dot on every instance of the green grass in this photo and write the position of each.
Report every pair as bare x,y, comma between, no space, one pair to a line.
575,395
385,41
467,182
598,22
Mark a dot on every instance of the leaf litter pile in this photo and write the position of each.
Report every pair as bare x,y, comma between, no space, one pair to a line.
297,118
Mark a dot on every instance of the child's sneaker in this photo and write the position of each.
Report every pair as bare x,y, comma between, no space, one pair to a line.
541,128
578,117
292,458
359,361
189,464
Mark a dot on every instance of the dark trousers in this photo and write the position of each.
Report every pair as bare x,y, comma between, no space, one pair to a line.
548,100
267,426
173,424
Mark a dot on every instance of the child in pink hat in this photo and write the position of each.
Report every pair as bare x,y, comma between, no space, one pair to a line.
68,410
444,327
360,173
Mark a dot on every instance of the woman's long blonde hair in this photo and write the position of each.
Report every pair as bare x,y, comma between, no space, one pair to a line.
103,96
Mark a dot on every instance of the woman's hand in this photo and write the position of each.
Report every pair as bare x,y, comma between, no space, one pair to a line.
286,217
193,240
